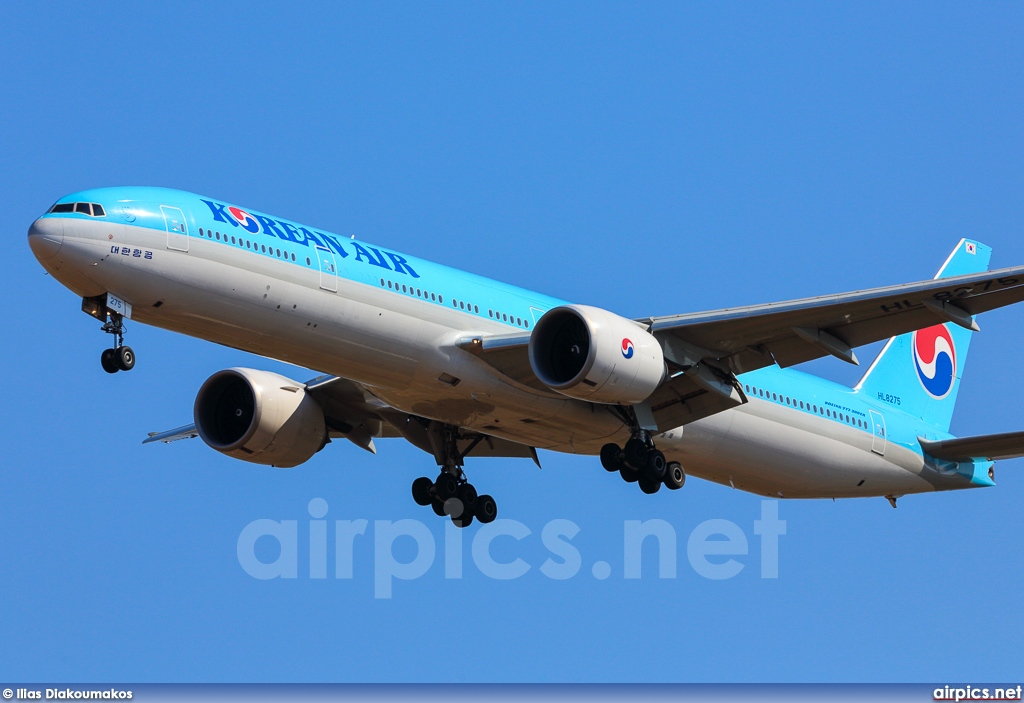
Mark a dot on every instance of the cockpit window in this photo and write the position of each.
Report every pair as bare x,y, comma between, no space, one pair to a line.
91,209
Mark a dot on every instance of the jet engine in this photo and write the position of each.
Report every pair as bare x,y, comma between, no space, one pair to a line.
261,417
592,354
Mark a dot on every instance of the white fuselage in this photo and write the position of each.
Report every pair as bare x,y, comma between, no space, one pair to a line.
399,346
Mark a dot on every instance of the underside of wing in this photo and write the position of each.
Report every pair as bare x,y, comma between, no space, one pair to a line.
351,411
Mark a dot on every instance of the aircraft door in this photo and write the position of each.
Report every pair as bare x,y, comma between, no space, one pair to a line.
878,436
328,269
177,228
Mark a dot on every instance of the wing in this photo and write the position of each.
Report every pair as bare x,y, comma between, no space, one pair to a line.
352,411
183,432
992,447
749,338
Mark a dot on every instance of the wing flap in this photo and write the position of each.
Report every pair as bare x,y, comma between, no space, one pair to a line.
684,398
992,447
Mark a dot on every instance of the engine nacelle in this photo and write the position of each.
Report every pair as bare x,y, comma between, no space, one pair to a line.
260,417
592,354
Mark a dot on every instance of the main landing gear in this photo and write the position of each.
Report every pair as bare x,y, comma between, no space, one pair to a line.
639,462
121,357
450,493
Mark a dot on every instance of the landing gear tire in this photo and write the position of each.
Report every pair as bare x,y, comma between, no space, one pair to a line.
611,457
125,358
437,507
675,477
656,465
108,360
636,453
464,520
457,509
421,491
445,486
467,494
629,475
649,485
486,509
453,508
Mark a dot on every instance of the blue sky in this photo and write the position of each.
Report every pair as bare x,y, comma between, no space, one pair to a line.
651,159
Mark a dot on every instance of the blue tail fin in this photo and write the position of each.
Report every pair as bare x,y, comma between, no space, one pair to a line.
921,371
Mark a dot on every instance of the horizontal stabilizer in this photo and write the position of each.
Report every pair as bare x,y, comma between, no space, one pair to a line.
186,432
991,446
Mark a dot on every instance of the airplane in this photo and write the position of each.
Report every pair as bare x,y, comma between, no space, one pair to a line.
463,366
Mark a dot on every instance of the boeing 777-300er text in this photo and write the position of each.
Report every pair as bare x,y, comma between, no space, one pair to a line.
463,366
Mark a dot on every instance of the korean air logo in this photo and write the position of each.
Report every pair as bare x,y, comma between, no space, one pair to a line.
243,218
627,348
934,360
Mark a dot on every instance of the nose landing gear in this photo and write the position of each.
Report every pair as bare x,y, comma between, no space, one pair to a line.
121,357
112,312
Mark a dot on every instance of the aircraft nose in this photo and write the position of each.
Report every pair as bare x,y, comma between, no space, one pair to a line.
45,236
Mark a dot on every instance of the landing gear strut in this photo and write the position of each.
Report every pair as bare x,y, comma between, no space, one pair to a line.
121,357
640,462
450,493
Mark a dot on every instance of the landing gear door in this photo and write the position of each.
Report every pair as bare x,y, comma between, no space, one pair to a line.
878,432
177,228
328,269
